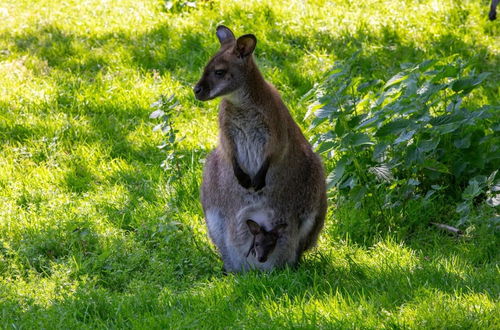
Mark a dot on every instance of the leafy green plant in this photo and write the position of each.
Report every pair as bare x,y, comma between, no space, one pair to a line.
166,108
414,137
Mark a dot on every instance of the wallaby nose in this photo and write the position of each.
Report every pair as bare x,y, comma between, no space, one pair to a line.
262,259
197,89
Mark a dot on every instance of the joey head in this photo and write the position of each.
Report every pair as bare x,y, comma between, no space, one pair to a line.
264,241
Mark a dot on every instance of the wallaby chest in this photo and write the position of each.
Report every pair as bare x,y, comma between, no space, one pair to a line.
249,132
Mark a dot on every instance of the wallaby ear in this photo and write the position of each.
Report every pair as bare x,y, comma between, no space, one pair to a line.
224,34
245,45
253,226
278,230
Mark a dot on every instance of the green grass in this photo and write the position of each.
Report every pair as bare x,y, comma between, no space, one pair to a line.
93,235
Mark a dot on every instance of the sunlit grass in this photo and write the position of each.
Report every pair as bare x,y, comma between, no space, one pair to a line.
93,235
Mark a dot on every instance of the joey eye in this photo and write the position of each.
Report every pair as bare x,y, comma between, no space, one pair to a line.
219,73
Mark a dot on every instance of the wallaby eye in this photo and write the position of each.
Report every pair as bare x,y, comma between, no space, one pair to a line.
219,73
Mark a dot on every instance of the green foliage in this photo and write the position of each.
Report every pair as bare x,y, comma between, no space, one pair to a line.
416,137
165,111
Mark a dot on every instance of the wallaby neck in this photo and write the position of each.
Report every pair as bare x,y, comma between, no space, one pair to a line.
255,90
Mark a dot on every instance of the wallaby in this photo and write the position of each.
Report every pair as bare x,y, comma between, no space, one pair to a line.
254,240
493,10
262,156
264,241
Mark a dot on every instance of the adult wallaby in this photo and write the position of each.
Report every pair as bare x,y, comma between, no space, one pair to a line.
262,156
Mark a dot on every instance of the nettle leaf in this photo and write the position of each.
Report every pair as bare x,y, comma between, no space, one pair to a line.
424,65
312,108
448,71
325,112
382,172
350,183
467,84
427,145
364,104
429,194
336,72
379,151
429,89
448,128
340,127
434,165
394,127
157,113
356,139
326,146
157,127
369,122
491,179
472,190
316,122
482,113
493,201
368,84
389,97
162,145
410,86
354,121
338,172
445,119
157,104
405,136
396,79
481,179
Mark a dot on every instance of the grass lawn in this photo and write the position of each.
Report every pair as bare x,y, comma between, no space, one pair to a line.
95,234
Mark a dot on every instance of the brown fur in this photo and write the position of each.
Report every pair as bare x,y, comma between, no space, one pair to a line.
255,126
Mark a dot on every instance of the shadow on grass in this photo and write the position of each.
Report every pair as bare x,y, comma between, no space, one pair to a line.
184,54
387,289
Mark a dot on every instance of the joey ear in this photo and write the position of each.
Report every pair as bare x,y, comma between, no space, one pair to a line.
253,226
224,34
245,45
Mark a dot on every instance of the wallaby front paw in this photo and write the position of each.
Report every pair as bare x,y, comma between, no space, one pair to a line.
259,183
245,181
243,178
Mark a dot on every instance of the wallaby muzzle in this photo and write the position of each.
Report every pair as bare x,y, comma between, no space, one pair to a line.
201,91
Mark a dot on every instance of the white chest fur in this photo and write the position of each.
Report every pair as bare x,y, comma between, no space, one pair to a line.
250,136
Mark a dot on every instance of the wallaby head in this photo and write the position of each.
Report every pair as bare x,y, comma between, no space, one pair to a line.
264,241
227,70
